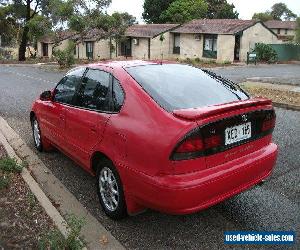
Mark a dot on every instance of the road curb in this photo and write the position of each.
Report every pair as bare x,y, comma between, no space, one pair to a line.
47,187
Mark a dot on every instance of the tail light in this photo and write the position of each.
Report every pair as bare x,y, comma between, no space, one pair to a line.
195,145
268,123
190,145
210,138
212,141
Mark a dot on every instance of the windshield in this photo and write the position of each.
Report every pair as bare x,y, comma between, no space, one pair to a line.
176,86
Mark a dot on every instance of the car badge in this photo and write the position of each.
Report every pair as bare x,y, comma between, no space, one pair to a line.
244,118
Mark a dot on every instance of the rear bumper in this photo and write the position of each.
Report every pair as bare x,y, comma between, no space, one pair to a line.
188,193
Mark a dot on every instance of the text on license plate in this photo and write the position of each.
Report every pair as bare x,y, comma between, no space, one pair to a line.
237,133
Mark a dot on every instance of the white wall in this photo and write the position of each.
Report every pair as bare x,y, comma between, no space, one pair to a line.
190,47
255,34
225,44
140,50
162,49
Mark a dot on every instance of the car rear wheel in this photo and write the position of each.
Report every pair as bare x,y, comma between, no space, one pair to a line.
36,131
110,191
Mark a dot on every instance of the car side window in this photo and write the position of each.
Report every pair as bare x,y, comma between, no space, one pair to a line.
65,90
117,95
95,91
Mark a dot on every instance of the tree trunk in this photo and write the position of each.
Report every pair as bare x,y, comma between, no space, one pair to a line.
24,40
23,44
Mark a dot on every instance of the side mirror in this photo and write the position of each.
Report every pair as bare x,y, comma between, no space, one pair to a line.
46,96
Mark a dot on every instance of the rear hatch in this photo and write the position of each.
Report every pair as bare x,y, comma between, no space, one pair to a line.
223,108
228,131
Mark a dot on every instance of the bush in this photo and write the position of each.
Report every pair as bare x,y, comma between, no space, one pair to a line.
226,62
265,53
65,58
4,182
10,165
55,240
197,60
188,60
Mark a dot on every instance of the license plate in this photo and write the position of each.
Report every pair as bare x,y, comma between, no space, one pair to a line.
237,133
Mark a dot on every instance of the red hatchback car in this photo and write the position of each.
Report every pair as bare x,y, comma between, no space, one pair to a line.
165,136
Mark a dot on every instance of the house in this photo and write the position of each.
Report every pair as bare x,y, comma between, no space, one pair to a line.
46,44
219,39
92,44
149,41
285,30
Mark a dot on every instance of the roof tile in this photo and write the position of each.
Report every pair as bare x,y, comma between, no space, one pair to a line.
215,26
277,24
148,30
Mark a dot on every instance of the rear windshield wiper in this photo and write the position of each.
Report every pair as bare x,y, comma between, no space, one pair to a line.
228,83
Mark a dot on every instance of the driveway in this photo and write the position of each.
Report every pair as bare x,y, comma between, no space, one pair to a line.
273,206
274,73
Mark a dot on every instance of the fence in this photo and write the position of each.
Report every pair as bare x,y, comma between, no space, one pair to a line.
287,52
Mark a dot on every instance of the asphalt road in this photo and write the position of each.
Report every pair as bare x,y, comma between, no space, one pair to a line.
273,206
278,73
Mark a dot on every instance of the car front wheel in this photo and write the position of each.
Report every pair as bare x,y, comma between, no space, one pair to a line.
110,191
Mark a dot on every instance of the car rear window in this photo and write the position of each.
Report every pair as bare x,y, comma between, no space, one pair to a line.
177,86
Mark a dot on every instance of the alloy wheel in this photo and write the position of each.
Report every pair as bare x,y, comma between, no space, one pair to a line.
109,190
36,133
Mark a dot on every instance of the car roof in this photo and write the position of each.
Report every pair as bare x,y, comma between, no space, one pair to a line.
122,64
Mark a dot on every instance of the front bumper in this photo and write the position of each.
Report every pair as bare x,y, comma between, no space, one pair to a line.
188,193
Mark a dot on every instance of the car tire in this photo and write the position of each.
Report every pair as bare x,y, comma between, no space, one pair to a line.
110,191
36,132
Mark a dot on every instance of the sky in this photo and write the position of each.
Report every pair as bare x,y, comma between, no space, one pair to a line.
246,8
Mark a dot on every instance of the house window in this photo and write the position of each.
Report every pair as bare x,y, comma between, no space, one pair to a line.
176,45
75,52
210,46
90,50
45,49
278,31
286,31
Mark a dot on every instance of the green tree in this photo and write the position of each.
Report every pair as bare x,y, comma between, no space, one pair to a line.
23,11
280,11
78,23
182,11
154,8
38,27
65,58
8,26
262,16
221,9
298,30
57,12
113,24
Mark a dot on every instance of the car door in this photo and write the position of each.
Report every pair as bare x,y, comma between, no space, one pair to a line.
87,119
54,112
